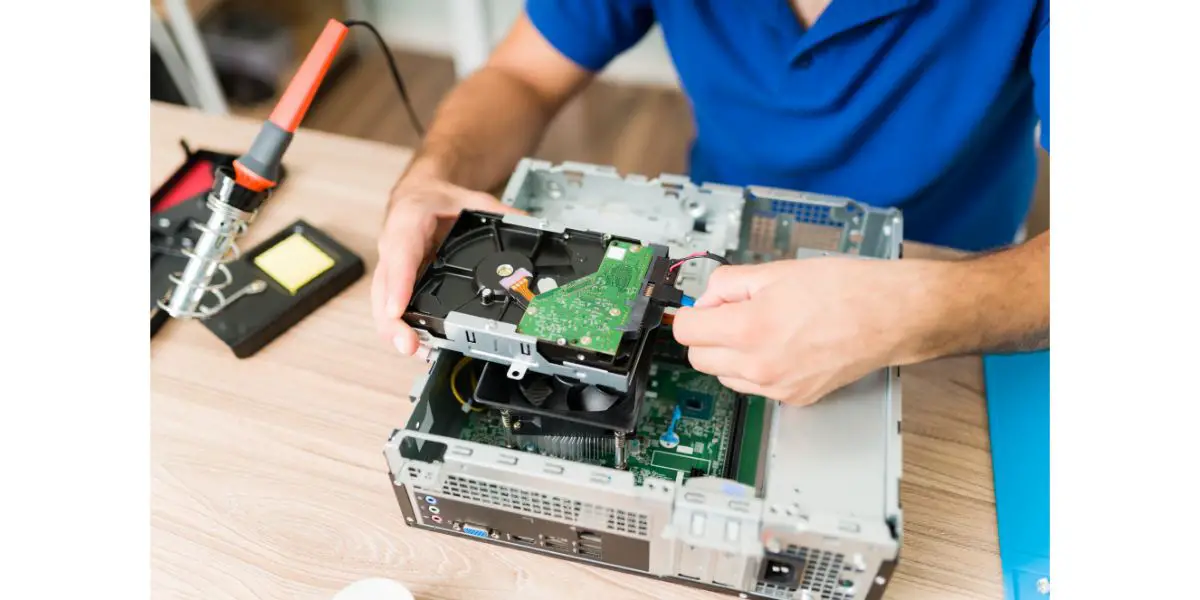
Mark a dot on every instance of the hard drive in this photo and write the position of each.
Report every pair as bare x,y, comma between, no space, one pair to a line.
535,297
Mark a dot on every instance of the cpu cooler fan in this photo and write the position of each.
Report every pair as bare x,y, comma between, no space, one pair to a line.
559,398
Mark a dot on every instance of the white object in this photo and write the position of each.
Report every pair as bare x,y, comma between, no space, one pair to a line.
160,38
546,284
616,253
469,21
375,588
191,47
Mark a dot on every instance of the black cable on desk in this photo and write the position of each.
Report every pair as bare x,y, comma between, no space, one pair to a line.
387,52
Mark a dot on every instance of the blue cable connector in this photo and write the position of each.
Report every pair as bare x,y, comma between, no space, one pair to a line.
669,438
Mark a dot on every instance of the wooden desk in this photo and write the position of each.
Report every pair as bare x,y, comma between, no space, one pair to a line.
268,479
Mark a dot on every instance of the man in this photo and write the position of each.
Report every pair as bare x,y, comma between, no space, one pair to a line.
928,106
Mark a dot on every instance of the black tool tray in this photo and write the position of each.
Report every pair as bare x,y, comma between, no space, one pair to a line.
174,206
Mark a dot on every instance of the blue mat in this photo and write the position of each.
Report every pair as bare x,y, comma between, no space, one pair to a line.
1018,399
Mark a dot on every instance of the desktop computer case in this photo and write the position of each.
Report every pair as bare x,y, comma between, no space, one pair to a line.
824,520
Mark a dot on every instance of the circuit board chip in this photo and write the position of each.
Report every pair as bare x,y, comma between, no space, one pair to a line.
591,312
695,405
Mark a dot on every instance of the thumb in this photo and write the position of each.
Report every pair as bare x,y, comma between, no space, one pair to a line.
733,283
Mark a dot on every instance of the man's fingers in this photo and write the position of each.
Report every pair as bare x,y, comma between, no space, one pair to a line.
401,253
732,284
745,387
400,276
725,325
392,330
716,361
405,339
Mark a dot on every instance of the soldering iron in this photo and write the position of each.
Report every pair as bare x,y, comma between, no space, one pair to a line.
236,197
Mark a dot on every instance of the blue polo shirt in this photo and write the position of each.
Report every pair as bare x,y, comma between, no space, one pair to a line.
923,105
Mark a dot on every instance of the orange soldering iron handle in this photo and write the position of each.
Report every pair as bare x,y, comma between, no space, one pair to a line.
258,169
299,93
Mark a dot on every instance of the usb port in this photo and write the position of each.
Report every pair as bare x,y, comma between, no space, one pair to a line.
589,551
523,539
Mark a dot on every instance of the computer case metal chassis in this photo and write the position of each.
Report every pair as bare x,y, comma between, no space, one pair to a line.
824,520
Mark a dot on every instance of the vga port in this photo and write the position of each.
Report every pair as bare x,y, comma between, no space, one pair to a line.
474,530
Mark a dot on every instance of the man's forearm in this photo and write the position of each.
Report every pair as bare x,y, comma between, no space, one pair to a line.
483,127
999,302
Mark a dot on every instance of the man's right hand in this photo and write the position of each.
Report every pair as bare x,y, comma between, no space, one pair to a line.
421,213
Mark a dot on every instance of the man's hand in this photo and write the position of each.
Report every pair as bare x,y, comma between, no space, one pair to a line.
797,330
420,213
481,129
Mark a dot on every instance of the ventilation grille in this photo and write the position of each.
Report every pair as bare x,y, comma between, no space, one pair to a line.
780,236
817,214
616,520
823,573
537,503
771,590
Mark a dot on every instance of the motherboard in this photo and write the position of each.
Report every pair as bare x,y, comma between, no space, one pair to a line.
703,440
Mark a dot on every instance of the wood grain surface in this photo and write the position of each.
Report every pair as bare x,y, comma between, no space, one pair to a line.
268,479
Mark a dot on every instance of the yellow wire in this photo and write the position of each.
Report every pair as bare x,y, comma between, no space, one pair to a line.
454,382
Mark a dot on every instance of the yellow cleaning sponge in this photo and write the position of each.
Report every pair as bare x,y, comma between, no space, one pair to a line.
294,262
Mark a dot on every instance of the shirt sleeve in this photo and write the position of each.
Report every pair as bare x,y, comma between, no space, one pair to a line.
591,33
1040,69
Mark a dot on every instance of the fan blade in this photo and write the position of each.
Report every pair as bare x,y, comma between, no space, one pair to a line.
536,389
593,399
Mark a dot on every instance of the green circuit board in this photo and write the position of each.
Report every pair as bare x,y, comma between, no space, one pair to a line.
592,311
705,426
705,429
751,442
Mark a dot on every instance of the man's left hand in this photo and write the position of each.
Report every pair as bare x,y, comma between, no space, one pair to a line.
797,330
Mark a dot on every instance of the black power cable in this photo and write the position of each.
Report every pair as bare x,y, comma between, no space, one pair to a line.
387,52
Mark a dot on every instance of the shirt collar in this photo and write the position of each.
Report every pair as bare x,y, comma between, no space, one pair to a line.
839,17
